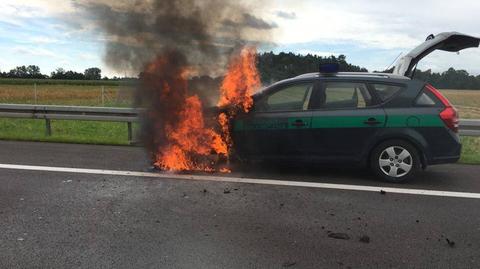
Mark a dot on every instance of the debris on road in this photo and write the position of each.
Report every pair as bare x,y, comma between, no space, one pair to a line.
342,236
382,192
227,191
204,191
450,242
289,264
365,239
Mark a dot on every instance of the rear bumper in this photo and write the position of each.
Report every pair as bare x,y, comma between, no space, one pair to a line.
453,156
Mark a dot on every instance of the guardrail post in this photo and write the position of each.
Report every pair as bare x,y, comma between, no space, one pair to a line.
35,92
103,95
48,127
130,135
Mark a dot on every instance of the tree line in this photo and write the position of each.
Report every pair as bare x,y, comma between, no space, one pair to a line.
33,72
272,67
276,67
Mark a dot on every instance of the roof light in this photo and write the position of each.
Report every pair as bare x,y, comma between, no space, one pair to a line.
329,68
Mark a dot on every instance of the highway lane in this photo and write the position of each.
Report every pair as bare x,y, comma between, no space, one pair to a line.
75,220
443,177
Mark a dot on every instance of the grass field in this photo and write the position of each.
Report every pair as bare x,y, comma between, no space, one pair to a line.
467,102
74,95
19,81
90,94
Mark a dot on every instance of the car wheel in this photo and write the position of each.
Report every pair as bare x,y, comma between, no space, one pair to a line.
395,161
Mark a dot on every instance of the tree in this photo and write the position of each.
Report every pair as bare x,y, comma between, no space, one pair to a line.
33,71
93,73
59,73
18,72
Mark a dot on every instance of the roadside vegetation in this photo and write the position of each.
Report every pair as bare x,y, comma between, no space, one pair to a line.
471,150
64,131
67,94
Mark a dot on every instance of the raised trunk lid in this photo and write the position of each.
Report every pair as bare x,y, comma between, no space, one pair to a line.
448,41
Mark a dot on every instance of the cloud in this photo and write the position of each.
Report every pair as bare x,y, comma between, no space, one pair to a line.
35,51
286,15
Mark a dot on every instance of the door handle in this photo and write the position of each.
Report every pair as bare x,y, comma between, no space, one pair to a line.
372,121
299,123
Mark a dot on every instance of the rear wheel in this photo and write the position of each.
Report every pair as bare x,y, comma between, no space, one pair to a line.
395,161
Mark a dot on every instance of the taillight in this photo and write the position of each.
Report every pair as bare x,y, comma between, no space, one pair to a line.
449,115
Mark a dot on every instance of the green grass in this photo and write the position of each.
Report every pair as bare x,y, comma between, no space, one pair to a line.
82,132
471,150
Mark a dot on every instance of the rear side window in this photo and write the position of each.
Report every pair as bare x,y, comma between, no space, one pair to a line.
345,95
385,91
427,98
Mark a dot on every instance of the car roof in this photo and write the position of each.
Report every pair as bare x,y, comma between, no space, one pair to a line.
354,75
363,76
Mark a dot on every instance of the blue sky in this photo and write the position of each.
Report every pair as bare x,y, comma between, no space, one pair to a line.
369,33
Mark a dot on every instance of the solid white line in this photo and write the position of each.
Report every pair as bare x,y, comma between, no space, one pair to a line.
243,180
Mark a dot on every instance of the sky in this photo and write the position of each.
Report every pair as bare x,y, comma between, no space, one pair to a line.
370,33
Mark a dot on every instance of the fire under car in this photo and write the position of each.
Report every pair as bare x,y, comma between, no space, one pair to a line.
389,122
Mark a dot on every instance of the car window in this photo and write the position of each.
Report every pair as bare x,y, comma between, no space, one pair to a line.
290,98
427,98
346,95
385,91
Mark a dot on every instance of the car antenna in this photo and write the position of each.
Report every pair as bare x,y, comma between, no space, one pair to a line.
394,61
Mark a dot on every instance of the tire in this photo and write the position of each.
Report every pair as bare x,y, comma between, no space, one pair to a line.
395,161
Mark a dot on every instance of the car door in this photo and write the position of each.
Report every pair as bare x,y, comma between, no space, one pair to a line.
278,124
344,118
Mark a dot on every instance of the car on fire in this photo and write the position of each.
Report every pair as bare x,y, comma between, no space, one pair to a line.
389,122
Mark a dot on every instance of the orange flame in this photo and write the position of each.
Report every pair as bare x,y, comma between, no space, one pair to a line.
184,140
238,86
241,81
181,139
190,142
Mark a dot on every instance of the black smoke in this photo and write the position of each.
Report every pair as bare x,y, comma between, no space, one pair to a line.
205,31
164,39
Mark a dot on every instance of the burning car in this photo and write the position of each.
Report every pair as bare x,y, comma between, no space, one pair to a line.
390,122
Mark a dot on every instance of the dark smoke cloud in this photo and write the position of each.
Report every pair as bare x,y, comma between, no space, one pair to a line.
206,31
251,21
164,40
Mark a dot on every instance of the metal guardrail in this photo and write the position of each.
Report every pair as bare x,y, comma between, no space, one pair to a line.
128,115
470,127
48,113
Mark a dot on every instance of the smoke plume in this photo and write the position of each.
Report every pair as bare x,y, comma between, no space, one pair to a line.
169,42
205,31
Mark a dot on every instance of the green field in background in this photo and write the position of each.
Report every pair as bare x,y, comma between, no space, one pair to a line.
21,81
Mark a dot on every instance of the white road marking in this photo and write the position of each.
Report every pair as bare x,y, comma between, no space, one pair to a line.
243,180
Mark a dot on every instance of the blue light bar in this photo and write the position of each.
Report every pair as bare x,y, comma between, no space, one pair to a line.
329,68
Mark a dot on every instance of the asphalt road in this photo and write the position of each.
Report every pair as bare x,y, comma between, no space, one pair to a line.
78,220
